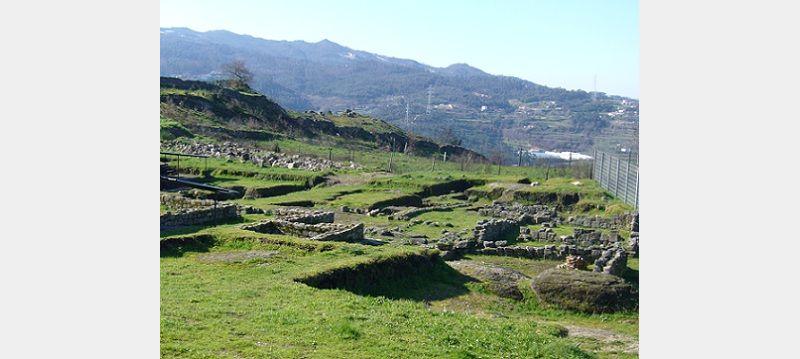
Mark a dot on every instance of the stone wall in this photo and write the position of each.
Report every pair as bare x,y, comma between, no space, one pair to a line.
277,190
615,222
196,216
612,261
354,233
580,236
413,212
178,201
319,231
534,214
304,216
590,254
492,230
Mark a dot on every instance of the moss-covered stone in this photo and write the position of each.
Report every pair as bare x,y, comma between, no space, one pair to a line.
585,291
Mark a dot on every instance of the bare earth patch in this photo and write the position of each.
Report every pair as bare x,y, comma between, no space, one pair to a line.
610,341
501,280
234,257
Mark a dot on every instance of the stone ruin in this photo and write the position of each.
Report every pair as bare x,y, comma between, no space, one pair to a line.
315,225
523,214
612,261
582,237
178,201
492,230
317,232
303,216
615,222
410,213
573,262
232,151
201,215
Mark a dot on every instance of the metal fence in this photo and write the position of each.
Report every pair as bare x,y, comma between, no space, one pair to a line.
618,175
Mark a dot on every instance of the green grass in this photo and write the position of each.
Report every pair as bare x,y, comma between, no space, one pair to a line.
247,182
257,310
460,218
322,195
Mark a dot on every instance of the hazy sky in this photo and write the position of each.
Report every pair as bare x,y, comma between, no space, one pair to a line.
558,43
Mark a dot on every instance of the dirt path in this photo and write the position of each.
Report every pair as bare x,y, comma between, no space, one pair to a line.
609,341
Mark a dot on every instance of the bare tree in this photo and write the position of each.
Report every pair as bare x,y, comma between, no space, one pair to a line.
496,157
237,73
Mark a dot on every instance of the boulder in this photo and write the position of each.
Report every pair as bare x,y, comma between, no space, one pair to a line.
585,291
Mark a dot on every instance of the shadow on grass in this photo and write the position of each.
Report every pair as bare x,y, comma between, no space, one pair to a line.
177,246
414,280
631,276
194,229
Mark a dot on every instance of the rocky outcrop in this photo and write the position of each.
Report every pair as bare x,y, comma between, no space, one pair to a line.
585,291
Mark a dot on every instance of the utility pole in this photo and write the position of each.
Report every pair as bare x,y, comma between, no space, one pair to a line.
407,122
547,171
428,108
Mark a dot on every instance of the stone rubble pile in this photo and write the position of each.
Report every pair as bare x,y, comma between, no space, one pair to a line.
232,151
573,262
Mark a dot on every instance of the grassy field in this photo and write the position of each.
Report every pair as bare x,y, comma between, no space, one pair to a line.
238,295
256,309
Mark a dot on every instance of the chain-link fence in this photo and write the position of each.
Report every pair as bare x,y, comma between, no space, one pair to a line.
619,175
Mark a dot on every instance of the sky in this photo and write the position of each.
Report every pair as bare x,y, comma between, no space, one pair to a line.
572,44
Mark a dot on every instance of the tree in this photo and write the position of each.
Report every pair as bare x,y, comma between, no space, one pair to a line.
448,137
237,74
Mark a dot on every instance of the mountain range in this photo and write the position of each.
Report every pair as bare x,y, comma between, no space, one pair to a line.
487,113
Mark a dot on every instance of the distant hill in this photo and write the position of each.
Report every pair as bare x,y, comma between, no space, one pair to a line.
487,112
191,109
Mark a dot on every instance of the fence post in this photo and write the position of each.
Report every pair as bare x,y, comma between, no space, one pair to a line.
636,205
627,179
602,168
